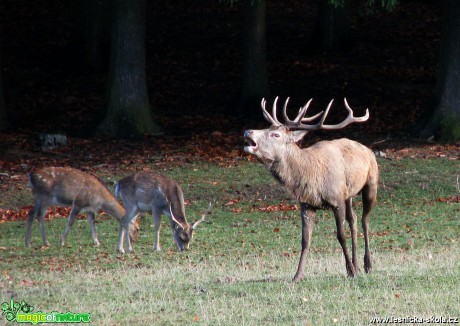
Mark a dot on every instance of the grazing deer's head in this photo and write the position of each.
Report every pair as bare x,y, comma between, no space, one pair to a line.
183,234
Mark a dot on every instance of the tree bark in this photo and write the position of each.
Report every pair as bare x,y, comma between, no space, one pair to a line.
94,23
3,119
254,85
332,31
442,119
128,112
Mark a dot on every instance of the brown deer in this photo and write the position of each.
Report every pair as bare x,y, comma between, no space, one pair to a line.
62,186
325,175
150,191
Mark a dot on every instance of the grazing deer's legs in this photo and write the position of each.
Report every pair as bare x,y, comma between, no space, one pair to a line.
339,213
92,227
121,235
307,216
30,219
130,214
352,221
369,199
157,222
39,212
73,212
41,223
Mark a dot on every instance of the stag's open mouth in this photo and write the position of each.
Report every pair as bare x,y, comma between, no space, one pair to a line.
250,146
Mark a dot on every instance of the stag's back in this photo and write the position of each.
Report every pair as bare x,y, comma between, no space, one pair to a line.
327,172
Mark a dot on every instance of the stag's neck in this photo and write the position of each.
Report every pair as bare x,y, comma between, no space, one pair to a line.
295,170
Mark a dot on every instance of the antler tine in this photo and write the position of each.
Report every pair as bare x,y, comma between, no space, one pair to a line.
300,115
285,116
302,111
267,115
349,119
203,216
350,112
323,118
274,112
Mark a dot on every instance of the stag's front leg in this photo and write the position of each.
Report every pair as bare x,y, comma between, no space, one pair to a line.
352,220
307,216
340,213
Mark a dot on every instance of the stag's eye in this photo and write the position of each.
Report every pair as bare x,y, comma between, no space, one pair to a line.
275,134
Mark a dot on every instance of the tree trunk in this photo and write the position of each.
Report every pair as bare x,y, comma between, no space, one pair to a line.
94,23
443,118
331,30
255,76
128,112
3,120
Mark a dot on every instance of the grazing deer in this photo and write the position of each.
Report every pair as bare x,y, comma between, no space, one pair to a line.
150,191
54,186
325,175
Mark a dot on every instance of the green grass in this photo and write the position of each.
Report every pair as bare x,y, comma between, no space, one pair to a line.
241,261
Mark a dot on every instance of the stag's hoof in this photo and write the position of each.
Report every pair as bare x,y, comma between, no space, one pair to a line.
297,278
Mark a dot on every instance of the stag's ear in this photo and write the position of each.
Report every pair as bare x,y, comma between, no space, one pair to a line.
297,135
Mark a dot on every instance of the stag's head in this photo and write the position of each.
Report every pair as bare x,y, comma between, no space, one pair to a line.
272,144
183,233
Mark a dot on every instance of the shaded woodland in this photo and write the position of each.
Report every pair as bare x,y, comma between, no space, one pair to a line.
193,60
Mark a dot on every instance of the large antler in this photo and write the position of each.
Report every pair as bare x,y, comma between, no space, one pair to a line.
298,122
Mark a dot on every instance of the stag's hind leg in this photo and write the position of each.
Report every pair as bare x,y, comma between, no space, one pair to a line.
340,214
369,199
352,221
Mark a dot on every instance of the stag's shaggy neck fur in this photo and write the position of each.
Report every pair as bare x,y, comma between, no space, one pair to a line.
293,169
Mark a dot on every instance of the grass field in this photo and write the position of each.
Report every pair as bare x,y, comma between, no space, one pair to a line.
239,268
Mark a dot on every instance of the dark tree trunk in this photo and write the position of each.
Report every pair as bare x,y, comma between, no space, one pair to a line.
255,76
331,30
94,22
443,118
3,120
128,112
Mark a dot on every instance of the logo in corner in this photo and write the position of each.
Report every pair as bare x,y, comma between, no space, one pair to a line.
23,313
11,309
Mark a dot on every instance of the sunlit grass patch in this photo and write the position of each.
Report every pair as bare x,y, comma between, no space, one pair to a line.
241,262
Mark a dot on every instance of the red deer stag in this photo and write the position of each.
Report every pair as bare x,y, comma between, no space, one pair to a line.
149,191
70,187
325,175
